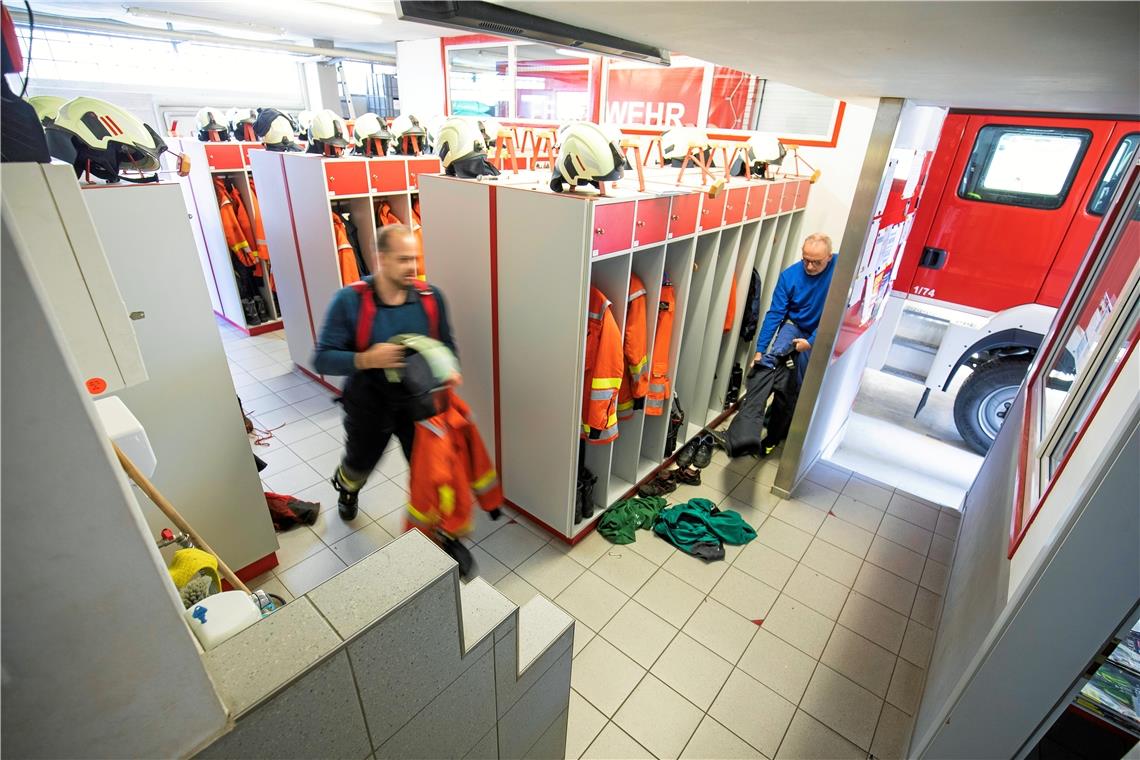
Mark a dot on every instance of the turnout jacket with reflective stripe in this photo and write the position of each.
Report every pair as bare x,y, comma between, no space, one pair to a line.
635,382
237,238
659,385
450,470
605,366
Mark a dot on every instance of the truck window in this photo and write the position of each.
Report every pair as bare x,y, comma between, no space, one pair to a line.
1023,166
1121,160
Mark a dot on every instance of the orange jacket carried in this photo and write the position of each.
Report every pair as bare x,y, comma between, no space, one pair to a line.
236,238
604,370
659,385
450,465
345,254
636,380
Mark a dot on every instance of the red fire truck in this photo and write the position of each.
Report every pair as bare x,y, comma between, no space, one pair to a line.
1009,209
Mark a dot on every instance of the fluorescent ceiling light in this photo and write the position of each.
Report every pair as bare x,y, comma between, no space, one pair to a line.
574,53
331,13
230,28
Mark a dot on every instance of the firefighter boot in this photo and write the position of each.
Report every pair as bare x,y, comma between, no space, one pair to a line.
458,552
349,491
262,309
250,310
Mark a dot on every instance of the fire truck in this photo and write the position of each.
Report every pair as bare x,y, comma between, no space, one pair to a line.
1009,209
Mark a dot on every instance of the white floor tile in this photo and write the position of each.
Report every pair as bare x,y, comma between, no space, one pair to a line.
892,736
857,513
325,420
316,406
778,665
766,564
897,558
935,577
276,420
669,597
278,459
383,498
753,712
941,550
300,392
654,548
624,569
799,514
294,479
886,588
948,524
614,744
873,621
846,536
297,430
262,404
605,676
587,551
309,573
918,643
322,493
906,686
516,589
757,495
582,636
799,625
744,595
283,381
843,706
859,659
868,493
816,495
833,562
808,739
829,476
913,511
693,670
638,633
327,463
909,535
591,600
658,718
512,544
550,571
360,544
927,608
712,741
490,569
698,573
720,629
331,527
583,724
817,591
786,539
315,445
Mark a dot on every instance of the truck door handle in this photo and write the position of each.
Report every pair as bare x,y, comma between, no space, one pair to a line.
933,258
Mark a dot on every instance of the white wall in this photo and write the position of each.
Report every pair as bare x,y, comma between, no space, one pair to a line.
830,199
97,659
419,71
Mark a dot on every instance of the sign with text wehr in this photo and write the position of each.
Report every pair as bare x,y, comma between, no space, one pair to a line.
653,96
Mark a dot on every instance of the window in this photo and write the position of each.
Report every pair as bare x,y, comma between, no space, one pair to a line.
551,84
1023,166
791,112
1121,160
480,81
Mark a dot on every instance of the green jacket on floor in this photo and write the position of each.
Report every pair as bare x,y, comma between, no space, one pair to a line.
621,521
700,528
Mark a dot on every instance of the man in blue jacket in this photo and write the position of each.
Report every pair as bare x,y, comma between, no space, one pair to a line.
375,409
798,303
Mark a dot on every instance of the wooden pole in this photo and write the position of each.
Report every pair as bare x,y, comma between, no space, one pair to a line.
168,509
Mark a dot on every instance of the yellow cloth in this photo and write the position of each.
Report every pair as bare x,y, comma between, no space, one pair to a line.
190,562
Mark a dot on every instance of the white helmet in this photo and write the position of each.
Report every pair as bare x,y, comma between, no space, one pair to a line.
490,129
94,135
407,125
676,143
238,118
275,130
432,125
47,106
304,119
370,135
759,152
585,156
327,133
613,132
210,120
461,149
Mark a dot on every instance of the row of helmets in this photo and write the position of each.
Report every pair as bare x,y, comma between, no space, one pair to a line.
100,139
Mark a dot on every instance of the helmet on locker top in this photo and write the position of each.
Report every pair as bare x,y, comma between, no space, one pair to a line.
371,135
211,123
461,149
428,367
46,106
304,119
432,126
759,152
585,156
238,118
490,129
94,135
275,130
676,143
327,133
408,131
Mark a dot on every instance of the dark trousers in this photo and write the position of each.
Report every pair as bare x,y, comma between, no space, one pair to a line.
367,436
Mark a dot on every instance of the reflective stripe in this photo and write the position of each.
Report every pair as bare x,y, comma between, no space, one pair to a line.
238,245
658,387
605,382
639,368
625,406
446,500
601,395
418,515
432,427
485,483
595,316
655,403
611,421
636,294
600,436
261,242
342,246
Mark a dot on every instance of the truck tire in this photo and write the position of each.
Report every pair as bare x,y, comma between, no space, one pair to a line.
985,398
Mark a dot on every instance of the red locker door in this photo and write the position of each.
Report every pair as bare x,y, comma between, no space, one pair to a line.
683,215
418,166
1009,195
386,175
775,194
652,219
346,176
613,228
736,204
224,156
754,209
802,194
712,212
788,199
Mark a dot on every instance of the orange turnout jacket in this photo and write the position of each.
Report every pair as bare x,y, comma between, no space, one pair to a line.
635,383
345,255
236,237
659,385
729,318
450,470
604,369
258,228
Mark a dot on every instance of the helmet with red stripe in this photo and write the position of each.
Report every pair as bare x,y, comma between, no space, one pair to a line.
102,139
586,155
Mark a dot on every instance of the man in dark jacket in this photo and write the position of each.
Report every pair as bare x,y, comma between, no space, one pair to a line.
373,406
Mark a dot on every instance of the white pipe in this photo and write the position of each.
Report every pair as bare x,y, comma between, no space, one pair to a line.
115,28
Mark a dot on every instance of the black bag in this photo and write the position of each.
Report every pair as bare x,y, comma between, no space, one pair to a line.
746,433
676,420
734,382
751,319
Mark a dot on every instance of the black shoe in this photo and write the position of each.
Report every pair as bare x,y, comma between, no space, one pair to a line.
262,309
250,311
458,552
346,501
659,486
718,440
703,457
686,454
687,477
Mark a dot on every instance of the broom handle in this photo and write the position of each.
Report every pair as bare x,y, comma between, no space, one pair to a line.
168,509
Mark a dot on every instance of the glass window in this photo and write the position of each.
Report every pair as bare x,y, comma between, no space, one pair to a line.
1121,160
551,84
790,111
1109,314
479,81
1023,166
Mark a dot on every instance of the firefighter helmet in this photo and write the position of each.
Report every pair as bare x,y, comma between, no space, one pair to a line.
760,152
210,120
96,136
275,130
461,149
371,135
47,106
585,156
428,368
327,133
677,143
490,129
409,132
304,120
238,118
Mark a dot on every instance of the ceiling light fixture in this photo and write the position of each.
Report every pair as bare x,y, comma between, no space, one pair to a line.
330,13
230,28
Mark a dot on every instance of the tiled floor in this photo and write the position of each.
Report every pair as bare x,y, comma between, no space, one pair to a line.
810,642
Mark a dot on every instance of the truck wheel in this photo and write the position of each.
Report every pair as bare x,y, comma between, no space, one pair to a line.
985,398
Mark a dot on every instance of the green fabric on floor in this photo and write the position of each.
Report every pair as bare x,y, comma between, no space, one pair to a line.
700,528
620,522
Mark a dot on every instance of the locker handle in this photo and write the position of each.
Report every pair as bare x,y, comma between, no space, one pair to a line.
674,217
600,231
640,222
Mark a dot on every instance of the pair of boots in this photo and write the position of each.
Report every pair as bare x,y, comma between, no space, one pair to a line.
584,496
667,481
697,452
255,310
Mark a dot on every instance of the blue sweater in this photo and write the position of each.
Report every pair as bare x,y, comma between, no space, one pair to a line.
798,297
336,346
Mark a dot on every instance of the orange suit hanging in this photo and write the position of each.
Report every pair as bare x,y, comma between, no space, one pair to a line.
236,238
345,255
604,369
635,382
659,385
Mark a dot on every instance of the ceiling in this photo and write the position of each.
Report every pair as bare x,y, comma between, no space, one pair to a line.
1050,56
